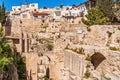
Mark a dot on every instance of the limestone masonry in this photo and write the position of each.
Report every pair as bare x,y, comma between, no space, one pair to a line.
59,46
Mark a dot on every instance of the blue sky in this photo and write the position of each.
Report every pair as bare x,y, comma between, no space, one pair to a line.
42,3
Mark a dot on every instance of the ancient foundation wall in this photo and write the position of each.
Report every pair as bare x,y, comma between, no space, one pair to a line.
31,66
75,63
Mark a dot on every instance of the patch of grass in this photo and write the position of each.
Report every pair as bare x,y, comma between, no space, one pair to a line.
79,51
50,47
88,58
42,40
109,79
45,26
42,31
35,43
88,66
87,74
119,28
114,48
24,59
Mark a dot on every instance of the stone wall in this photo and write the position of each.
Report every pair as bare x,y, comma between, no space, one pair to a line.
102,35
96,39
108,67
31,66
75,63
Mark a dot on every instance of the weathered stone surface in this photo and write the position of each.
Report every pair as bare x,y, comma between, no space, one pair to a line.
98,39
75,63
31,63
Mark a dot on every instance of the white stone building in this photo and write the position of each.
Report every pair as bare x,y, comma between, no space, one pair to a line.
33,6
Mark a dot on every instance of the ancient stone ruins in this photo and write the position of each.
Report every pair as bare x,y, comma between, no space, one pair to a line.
65,48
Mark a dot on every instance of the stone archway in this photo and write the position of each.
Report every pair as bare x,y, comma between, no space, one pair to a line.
97,59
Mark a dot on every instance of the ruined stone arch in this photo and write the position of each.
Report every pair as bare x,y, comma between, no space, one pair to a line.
97,59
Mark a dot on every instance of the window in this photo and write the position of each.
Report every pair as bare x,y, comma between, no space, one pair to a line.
32,5
14,9
19,9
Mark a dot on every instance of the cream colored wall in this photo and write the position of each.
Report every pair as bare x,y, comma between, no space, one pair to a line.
27,13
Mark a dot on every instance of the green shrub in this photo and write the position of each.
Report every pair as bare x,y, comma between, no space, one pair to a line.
88,66
42,31
49,47
109,79
81,51
45,26
24,59
118,28
88,58
114,48
87,74
96,17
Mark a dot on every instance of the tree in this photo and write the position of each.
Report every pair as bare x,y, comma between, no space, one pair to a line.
106,6
96,17
49,47
2,14
10,62
4,53
117,10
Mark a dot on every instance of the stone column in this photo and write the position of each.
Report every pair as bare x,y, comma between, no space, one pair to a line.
20,45
26,43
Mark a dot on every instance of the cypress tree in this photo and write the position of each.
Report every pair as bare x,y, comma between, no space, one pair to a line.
2,14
